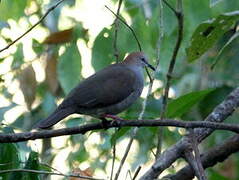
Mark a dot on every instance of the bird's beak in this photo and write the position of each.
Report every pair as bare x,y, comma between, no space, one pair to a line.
150,66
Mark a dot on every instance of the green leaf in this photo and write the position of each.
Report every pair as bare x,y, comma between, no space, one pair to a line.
214,175
212,99
18,57
33,164
69,68
37,47
118,134
9,159
207,33
181,105
13,9
132,7
102,52
152,109
228,44
81,155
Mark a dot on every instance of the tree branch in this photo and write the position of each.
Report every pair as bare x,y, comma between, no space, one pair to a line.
116,23
18,137
130,28
219,114
210,158
48,173
192,156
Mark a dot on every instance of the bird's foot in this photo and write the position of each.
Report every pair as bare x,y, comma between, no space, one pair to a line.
104,122
115,119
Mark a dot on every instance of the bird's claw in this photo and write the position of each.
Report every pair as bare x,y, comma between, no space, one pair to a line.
115,119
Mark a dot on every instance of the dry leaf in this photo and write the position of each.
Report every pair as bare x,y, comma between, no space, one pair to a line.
51,74
59,37
28,85
87,172
228,168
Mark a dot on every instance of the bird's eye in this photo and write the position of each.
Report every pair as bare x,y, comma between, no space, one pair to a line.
143,59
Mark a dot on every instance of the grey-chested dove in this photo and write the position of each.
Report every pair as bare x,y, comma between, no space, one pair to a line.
105,93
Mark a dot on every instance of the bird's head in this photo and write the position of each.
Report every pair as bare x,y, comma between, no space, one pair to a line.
137,59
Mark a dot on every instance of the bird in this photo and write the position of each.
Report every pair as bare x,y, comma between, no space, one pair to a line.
105,93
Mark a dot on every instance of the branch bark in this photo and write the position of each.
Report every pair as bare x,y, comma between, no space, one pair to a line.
25,136
210,158
219,114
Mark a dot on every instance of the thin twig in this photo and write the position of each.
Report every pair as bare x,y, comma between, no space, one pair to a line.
161,35
113,162
116,23
47,165
31,28
125,155
136,173
179,15
170,7
190,158
48,173
194,159
197,155
131,29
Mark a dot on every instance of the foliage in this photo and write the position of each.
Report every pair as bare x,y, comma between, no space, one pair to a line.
51,60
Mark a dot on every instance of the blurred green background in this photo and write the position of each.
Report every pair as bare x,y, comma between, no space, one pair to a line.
74,41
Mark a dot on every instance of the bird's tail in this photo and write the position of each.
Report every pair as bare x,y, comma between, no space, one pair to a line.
55,117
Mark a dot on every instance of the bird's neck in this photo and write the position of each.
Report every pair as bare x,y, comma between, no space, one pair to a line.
138,70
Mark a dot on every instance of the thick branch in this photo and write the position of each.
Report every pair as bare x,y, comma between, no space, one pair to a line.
192,156
219,114
17,137
210,158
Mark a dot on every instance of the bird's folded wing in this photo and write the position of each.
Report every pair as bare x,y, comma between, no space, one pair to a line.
108,86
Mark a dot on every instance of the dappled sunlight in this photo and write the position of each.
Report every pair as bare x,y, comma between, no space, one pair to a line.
77,39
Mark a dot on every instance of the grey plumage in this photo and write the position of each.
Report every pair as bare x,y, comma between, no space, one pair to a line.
109,91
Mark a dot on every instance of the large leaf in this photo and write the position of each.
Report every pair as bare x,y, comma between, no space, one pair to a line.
33,164
215,97
230,44
152,109
9,159
181,105
207,34
13,9
103,51
69,68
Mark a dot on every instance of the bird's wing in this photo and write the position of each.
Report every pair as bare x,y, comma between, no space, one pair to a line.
108,86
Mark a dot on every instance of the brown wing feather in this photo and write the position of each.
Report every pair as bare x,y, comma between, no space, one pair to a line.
108,86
